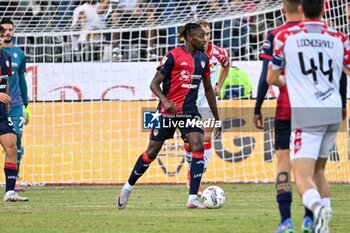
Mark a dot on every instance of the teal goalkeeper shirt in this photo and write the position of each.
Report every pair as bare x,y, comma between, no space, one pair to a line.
18,86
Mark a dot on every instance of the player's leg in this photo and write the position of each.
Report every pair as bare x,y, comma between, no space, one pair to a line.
327,145
140,167
187,157
207,146
207,150
321,182
8,142
324,217
16,114
157,138
195,140
283,178
305,148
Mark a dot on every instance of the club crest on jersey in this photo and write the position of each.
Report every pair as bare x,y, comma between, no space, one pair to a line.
185,75
203,64
15,55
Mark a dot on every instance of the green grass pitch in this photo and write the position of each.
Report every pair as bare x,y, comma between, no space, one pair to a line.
158,208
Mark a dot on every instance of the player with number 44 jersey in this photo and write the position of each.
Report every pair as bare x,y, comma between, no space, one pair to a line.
312,55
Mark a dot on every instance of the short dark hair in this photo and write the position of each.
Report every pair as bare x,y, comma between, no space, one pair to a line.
291,6
187,30
312,8
6,21
2,29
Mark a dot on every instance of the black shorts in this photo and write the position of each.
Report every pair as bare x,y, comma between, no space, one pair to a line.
166,132
282,134
6,126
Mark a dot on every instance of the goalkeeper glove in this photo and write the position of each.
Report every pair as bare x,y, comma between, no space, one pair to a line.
27,115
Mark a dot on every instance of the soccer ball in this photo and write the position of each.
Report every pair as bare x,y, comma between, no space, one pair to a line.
213,197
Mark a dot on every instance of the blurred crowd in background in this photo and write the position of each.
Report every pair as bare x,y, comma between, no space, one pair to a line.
142,30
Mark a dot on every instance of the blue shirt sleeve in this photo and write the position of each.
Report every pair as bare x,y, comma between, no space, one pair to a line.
262,88
343,89
267,48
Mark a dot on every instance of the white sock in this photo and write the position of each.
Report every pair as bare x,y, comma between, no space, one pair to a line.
127,186
207,150
192,197
206,158
187,154
312,200
326,201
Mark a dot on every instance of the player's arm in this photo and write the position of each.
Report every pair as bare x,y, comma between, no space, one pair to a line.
274,77
223,75
263,87
209,93
164,68
24,88
277,62
343,93
225,68
210,96
155,88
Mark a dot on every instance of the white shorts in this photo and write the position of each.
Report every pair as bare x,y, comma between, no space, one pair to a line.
313,142
203,108
206,113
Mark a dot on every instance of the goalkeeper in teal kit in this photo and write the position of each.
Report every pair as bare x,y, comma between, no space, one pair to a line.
19,109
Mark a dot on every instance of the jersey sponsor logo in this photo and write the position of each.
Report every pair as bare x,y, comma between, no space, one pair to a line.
196,76
14,64
321,96
203,64
184,63
7,63
15,55
189,86
2,86
315,43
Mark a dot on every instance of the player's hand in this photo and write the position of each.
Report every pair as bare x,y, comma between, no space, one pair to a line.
27,115
344,113
217,132
258,121
170,107
217,90
5,98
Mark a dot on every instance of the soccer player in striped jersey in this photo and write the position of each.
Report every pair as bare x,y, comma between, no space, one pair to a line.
180,72
218,57
17,89
282,127
312,56
7,132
